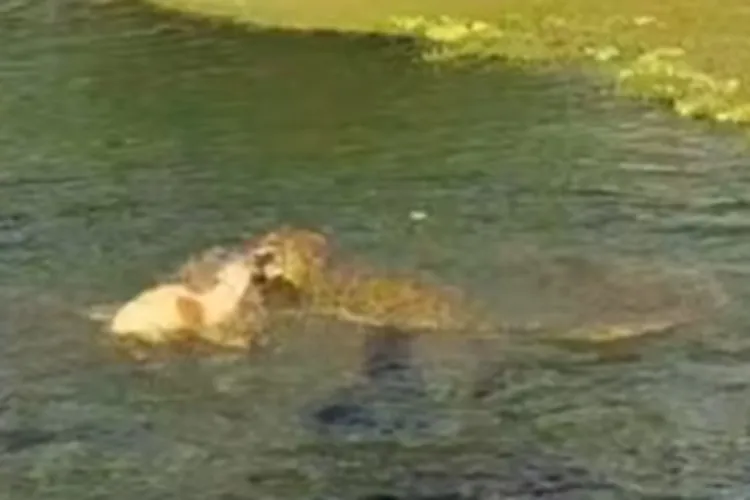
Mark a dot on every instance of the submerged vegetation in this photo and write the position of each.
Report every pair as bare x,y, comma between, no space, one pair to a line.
692,56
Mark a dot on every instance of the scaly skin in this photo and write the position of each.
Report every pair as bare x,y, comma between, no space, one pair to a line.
294,270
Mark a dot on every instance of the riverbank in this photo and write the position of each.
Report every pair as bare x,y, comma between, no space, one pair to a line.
690,56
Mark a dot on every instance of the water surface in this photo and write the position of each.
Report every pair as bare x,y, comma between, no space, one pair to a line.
130,140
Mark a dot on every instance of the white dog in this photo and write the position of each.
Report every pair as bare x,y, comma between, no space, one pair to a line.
166,312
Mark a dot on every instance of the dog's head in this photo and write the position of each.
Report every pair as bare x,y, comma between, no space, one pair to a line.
202,271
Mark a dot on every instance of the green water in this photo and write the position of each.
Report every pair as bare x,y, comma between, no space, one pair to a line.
129,140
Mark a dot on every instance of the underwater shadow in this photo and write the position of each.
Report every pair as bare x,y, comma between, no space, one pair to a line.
388,399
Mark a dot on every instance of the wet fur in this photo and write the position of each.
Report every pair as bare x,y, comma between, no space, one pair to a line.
188,320
198,274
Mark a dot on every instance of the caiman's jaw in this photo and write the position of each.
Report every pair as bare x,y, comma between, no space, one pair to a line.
265,266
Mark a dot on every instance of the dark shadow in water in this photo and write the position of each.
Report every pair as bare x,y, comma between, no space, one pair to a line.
25,437
17,440
388,399
391,400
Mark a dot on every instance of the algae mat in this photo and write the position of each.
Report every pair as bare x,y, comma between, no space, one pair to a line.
692,56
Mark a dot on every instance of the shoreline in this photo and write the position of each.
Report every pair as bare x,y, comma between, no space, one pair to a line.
650,52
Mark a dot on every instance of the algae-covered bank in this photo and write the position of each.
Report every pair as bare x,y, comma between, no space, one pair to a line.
692,56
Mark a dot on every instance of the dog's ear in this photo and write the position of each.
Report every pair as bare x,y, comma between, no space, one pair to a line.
190,311
199,276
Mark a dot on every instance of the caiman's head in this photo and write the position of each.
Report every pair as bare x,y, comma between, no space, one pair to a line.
288,264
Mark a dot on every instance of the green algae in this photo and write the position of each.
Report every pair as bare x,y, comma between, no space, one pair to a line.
653,53
661,74
690,57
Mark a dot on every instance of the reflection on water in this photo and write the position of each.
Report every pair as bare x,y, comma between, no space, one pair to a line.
130,140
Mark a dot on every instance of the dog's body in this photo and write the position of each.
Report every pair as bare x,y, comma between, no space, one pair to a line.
226,311
158,313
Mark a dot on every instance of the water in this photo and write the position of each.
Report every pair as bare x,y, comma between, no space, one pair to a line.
130,140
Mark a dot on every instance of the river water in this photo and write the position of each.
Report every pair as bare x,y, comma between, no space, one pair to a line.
129,140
